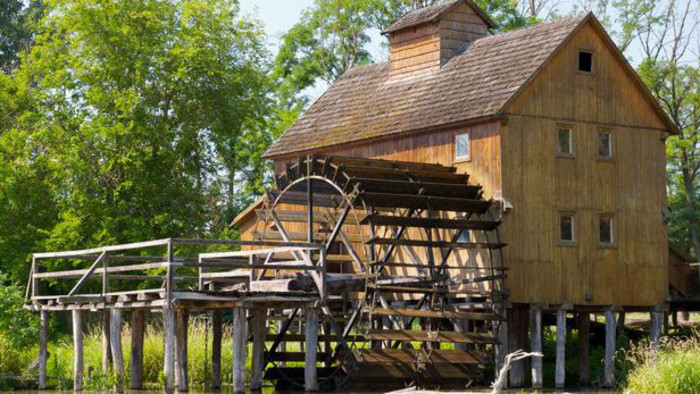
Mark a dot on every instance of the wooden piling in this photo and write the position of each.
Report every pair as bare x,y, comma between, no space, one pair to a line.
310,381
106,347
516,324
138,323
655,328
43,346
560,372
536,345
115,339
169,348
216,349
240,339
584,324
610,339
181,322
259,329
77,350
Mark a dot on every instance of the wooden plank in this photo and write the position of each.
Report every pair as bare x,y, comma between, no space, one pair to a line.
122,268
560,374
435,244
584,323
138,324
437,189
43,346
169,347
394,164
397,173
428,336
418,201
111,248
295,356
181,323
422,313
259,327
536,346
410,356
460,224
610,339
77,350
87,275
115,340
217,335
311,329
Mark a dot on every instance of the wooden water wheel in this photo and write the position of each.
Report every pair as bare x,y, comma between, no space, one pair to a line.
415,278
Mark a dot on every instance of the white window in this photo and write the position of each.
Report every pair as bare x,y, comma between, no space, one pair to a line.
566,227
605,236
462,146
604,145
565,143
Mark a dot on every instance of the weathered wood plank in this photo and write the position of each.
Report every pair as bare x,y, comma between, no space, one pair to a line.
115,340
610,339
77,350
584,323
422,313
259,327
181,324
169,347
217,336
560,374
536,346
429,336
310,378
239,349
43,346
138,324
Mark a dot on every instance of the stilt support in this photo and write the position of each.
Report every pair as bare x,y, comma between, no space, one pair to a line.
610,339
77,350
655,334
240,339
115,340
516,324
536,346
560,372
584,325
259,330
216,349
169,348
181,322
310,381
138,323
106,347
43,347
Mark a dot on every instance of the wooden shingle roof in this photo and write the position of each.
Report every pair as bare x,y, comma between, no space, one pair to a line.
431,14
366,104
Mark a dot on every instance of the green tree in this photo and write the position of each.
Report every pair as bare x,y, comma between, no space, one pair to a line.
16,22
130,121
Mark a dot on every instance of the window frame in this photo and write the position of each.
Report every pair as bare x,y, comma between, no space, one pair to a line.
572,152
611,219
610,145
468,157
561,216
578,61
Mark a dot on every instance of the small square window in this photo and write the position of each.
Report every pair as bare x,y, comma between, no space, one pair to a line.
462,146
564,142
585,62
566,228
605,236
604,145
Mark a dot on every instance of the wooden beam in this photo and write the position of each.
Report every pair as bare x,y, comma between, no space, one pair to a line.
216,349
87,275
516,324
43,346
584,323
655,328
106,347
112,248
259,328
536,345
310,381
240,340
560,377
138,323
115,334
169,347
181,323
610,339
77,350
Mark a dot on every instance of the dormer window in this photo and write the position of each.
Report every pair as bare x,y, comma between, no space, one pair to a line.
585,62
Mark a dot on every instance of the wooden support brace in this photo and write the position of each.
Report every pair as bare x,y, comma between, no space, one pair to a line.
584,324
138,323
259,329
536,346
240,339
216,349
610,339
560,372
106,347
310,381
181,323
169,347
655,329
77,350
516,324
43,347
115,331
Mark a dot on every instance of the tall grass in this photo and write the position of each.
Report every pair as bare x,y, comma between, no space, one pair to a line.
673,368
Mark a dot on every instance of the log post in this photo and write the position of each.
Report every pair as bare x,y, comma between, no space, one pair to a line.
536,345
310,382
240,339
216,349
115,339
77,350
181,322
560,372
516,324
106,347
138,322
43,347
584,324
655,330
501,328
169,347
610,339
256,366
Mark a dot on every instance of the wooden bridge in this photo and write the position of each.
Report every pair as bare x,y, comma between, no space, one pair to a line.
390,271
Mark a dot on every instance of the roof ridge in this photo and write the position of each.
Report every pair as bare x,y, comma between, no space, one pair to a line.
540,26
